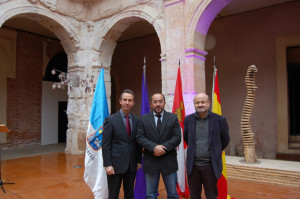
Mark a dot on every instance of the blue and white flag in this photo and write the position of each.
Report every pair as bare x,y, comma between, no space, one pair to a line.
94,173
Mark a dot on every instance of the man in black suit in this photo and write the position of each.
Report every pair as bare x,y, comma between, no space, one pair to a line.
121,154
159,134
206,135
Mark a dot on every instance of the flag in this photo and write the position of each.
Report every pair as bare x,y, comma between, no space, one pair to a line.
179,110
140,190
216,102
145,101
216,108
94,173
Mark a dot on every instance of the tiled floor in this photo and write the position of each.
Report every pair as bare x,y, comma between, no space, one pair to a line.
31,150
60,176
52,176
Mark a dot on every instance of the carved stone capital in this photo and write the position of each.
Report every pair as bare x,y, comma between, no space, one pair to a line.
90,26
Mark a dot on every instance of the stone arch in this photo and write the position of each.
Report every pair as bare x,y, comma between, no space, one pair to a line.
199,18
111,29
202,14
60,26
63,27
114,27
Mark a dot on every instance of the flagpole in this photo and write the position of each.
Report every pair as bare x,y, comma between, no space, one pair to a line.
140,183
144,71
214,76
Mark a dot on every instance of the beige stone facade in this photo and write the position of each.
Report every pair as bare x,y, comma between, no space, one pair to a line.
88,31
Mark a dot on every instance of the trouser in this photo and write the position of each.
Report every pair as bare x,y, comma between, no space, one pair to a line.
203,175
114,185
170,181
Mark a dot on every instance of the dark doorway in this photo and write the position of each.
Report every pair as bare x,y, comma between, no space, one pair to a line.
60,63
62,121
294,98
128,61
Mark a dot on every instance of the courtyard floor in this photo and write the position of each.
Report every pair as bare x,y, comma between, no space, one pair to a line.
59,175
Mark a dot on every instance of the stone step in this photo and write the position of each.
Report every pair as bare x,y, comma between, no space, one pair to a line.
294,145
281,179
263,171
255,170
266,175
284,183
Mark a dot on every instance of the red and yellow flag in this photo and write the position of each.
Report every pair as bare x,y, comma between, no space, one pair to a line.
216,108
179,110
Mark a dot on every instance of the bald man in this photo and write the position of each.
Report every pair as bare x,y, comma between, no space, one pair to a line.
206,135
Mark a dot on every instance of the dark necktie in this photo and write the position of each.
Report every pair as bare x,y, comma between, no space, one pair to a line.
128,127
158,125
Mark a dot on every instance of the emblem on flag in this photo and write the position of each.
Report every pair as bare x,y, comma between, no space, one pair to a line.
178,112
95,139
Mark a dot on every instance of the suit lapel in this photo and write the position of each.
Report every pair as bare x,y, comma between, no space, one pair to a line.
133,130
120,121
210,127
152,122
164,123
194,128
121,124
134,121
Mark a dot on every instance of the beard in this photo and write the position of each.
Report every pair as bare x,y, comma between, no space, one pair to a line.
201,110
158,110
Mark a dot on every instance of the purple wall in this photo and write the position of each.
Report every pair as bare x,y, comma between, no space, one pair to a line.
243,40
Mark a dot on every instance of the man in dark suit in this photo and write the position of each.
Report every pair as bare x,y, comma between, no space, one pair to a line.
121,154
206,135
159,134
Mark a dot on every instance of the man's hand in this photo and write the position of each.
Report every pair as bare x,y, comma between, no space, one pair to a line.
159,150
139,166
110,170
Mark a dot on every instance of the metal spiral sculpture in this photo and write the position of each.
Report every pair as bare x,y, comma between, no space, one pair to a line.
247,134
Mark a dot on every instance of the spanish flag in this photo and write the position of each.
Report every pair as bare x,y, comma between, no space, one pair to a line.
216,108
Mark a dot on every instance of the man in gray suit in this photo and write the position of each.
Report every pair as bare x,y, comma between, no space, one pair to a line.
159,134
122,155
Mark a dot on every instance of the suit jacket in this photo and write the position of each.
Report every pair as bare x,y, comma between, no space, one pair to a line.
169,136
218,137
118,150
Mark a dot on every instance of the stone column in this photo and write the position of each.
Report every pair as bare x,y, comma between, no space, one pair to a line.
77,117
174,26
107,48
84,66
192,60
195,76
